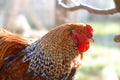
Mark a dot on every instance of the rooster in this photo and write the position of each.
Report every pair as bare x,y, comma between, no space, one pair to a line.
53,57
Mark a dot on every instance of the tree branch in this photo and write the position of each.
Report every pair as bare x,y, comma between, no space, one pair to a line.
117,38
90,9
117,4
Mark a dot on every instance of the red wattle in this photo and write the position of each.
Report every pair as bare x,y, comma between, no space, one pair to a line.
84,46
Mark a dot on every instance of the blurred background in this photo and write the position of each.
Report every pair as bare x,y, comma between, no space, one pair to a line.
34,18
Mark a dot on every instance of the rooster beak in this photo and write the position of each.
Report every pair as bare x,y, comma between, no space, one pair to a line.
91,40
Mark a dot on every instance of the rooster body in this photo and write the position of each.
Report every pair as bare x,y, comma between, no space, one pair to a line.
53,57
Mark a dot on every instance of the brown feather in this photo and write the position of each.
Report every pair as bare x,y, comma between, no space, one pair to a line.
11,45
53,57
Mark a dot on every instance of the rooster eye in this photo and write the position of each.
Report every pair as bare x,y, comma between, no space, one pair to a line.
89,36
80,30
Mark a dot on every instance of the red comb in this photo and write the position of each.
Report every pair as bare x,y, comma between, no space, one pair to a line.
89,29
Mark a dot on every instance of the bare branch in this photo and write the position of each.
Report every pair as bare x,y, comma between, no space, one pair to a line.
76,3
90,9
117,4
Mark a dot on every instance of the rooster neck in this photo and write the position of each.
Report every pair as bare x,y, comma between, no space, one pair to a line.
54,54
59,43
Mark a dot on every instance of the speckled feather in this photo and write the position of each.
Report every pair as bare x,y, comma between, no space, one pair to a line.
54,54
53,57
